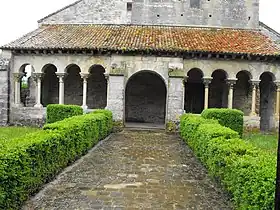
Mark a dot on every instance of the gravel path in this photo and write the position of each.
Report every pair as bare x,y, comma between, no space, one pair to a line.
133,170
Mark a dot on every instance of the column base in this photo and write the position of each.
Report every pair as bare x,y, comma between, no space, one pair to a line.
18,105
38,106
85,107
253,114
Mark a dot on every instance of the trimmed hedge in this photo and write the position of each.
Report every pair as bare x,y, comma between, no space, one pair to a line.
231,118
245,171
58,112
28,162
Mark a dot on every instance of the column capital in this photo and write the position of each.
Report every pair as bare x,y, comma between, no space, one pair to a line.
37,75
61,76
84,76
107,76
277,83
207,81
255,83
231,82
18,76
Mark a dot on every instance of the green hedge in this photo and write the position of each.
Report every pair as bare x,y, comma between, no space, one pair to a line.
28,162
246,172
231,118
58,112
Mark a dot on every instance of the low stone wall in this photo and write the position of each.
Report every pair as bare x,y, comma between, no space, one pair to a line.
28,116
252,122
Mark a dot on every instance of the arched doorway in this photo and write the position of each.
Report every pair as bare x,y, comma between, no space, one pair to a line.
145,98
242,99
218,90
49,85
73,91
194,92
97,88
267,101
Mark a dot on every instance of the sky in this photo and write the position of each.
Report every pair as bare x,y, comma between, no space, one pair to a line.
18,17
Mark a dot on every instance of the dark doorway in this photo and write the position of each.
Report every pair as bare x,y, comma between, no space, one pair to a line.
194,92
218,96
145,98
267,100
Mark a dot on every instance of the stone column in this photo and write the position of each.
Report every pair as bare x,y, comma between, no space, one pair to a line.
231,83
175,104
38,78
61,77
255,85
115,96
206,81
84,77
17,80
277,109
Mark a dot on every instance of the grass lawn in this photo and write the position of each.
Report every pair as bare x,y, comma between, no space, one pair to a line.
267,142
8,133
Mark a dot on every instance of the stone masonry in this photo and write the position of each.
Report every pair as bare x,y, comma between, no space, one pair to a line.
240,14
4,91
134,170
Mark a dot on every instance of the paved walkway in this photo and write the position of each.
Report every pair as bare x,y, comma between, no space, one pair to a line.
133,170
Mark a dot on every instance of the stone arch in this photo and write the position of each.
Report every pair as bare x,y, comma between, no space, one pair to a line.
242,98
194,92
50,85
73,93
160,74
145,98
27,85
97,88
218,96
267,101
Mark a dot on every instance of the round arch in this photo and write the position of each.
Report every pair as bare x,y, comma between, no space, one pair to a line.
49,85
97,87
194,91
243,92
145,98
267,101
73,91
218,96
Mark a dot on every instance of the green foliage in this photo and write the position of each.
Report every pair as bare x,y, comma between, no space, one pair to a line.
245,171
171,127
26,163
58,112
231,118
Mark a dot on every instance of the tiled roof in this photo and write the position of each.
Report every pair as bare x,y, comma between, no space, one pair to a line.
146,38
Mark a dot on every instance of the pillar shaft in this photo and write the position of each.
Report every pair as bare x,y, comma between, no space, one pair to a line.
38,77
206,81
231,83
255,85
17,80
84,77
61,77
277,109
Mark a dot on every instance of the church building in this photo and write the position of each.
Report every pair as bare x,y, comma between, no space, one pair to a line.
148,61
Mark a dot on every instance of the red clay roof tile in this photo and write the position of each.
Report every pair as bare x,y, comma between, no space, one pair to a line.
143,38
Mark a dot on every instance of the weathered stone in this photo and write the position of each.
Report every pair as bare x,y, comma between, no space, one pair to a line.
175,178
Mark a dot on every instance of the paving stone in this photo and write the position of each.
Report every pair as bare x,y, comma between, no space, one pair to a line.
134,170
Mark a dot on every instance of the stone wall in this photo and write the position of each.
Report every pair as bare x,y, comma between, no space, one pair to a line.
27,116
230,13
4,91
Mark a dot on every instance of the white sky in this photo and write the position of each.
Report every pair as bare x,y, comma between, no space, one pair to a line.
18,17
